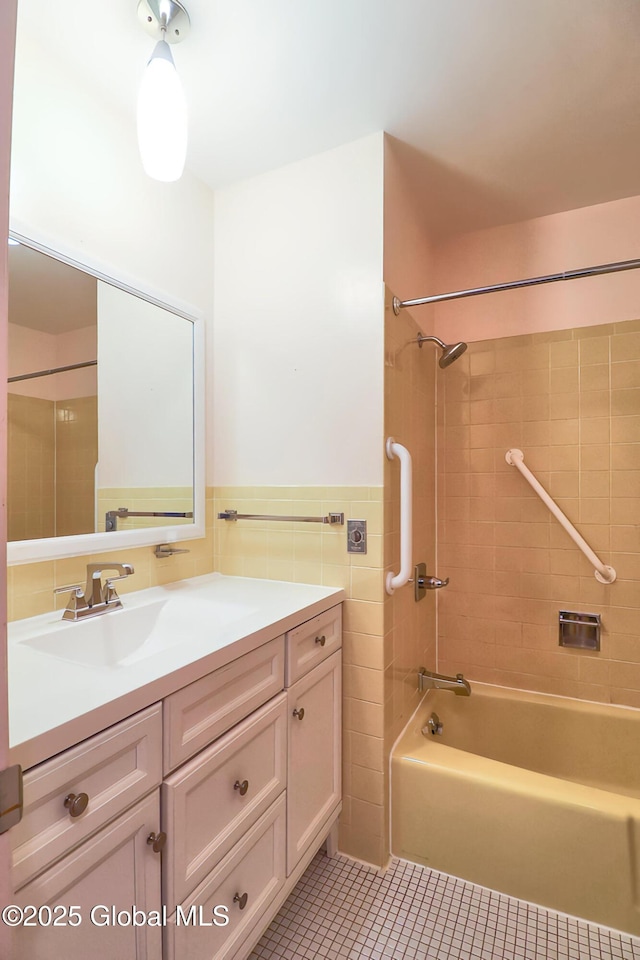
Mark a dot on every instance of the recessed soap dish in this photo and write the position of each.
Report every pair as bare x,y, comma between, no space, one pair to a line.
579,630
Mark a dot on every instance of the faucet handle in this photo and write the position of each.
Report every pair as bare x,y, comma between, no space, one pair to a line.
432,583
71,586
77,600
109,593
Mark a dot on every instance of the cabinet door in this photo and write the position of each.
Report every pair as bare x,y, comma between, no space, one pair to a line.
115,870
315,733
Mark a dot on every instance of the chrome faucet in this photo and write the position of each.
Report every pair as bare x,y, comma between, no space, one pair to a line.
427,680
96,598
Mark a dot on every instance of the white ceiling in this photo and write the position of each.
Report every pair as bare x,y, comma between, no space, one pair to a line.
504,109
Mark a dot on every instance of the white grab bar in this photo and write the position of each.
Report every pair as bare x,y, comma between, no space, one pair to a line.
603,573
394,449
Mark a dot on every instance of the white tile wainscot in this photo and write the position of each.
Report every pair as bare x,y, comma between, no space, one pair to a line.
251,764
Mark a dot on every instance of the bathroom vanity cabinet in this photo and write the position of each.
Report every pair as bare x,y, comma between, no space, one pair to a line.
200,812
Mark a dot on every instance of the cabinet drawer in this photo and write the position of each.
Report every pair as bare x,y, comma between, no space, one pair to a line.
115,869
197,714
312,642
251,874
205,813
115,768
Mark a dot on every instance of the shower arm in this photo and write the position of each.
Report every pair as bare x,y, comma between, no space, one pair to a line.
516,284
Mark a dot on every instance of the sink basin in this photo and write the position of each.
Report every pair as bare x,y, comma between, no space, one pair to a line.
127,635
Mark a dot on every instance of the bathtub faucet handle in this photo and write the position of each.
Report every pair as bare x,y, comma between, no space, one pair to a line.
423,582
433,583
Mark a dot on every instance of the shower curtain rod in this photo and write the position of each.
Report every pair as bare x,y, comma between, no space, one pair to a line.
515,284
46,373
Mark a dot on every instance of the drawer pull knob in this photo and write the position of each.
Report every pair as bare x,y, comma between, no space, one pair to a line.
299,713
321,640
241,900
241,786
76,803
157,841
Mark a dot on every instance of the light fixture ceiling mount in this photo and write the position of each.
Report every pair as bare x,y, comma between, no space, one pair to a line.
164,19
162,105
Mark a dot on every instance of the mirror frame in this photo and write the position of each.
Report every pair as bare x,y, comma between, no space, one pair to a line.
56,548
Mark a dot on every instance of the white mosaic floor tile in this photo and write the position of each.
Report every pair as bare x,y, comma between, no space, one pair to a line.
342,910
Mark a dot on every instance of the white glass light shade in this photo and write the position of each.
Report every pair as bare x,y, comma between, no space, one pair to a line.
162,117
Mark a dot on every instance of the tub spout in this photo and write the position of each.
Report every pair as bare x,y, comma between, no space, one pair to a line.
458,684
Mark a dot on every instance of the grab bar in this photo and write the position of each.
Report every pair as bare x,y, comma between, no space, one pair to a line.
603,573
331,518
394,449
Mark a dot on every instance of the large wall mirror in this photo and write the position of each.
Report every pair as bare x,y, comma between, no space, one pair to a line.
104,412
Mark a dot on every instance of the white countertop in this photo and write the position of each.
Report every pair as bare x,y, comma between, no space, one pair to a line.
54,703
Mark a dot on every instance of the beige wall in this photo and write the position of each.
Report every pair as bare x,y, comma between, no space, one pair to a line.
30,585
317,553
570,399
32,350
604,233
409,254
297,279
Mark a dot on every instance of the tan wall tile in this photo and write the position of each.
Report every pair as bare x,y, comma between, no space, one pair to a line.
625,346
367,785
368,752
362,846
625,374
585,449
594,350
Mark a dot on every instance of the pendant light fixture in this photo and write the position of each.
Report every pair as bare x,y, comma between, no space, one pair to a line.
162,106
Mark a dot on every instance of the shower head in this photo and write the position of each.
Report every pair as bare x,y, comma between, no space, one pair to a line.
450,351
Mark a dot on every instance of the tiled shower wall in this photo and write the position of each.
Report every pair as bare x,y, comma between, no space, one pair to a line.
52,454
410,626
76,457
570,400
31,473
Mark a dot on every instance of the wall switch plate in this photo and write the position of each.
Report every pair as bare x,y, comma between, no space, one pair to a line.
356,536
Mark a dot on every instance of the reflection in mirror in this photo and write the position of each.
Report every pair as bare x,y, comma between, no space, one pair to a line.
145,404
109,444
52,411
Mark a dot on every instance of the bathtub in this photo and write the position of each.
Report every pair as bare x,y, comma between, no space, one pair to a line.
532,795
